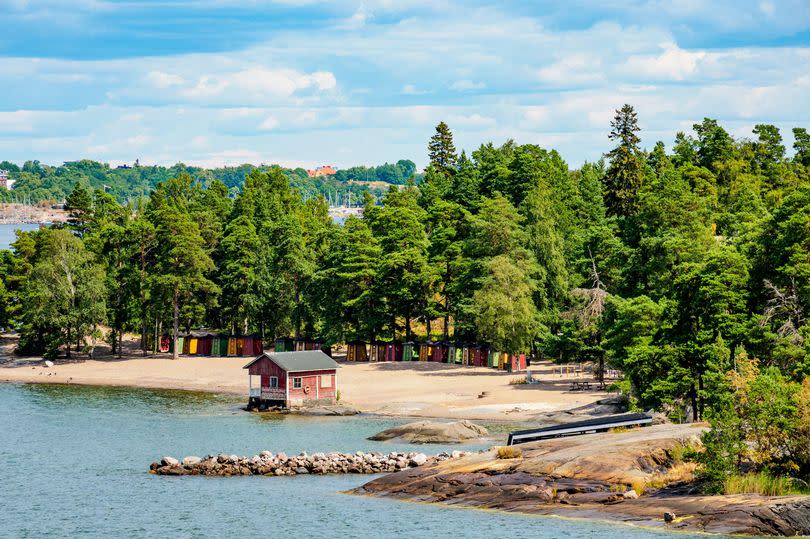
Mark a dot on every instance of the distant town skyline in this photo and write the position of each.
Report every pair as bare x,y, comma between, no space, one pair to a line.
220,82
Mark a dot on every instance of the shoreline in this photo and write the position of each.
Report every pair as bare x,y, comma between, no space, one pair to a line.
595,478
409,389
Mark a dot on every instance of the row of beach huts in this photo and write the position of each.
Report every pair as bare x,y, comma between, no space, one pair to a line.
468,354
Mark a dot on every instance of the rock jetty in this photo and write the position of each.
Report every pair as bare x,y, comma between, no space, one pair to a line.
267,463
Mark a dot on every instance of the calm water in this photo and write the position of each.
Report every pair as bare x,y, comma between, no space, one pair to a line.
7,233
73,463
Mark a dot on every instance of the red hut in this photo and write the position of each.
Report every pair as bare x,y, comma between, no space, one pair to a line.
393,351
258,345
480,356
516,363
440,351
292,379
204,344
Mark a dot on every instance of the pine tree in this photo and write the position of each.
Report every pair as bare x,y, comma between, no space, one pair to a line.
79,205
626,171
802,145
182,262
441,150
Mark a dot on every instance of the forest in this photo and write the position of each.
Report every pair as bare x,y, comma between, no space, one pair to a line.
36,182
687,268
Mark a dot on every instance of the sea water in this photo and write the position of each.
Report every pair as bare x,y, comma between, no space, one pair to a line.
74,463
8,233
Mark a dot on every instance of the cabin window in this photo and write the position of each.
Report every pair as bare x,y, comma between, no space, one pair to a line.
273,382
326,380
296,383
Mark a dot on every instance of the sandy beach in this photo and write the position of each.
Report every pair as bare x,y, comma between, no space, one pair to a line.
402,389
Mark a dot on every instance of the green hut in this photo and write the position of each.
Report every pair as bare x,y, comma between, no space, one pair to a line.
407,351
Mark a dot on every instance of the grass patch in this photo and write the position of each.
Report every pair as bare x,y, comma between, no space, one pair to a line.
761,483
640,486
618,488
509,452
619,430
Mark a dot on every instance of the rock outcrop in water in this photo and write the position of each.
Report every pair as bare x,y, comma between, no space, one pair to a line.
433,432
266,463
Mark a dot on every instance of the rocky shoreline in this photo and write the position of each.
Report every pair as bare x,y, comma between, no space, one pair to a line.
632,477
268,464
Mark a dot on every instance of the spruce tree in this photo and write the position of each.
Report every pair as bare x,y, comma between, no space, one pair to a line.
802,145
441,150
79,205
626,171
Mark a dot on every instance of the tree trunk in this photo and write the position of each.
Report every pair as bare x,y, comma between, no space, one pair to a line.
446,315
156,340
142,291
176,322
67,353
297,310
428,326
693,398
700,396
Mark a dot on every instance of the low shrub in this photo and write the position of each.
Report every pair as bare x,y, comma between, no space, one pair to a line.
509,452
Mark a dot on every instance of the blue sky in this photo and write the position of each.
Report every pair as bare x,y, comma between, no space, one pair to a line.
299,82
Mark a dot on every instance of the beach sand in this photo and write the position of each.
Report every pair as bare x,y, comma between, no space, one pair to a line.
400,389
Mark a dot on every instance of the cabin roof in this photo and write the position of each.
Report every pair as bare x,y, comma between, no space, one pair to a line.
309,360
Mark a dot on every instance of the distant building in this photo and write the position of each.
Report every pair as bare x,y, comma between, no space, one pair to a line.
5,181
325,170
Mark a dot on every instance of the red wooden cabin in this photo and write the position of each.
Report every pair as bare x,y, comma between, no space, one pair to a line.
289,379
393,351
440,351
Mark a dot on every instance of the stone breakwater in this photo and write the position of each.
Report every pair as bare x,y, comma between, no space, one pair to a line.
267,463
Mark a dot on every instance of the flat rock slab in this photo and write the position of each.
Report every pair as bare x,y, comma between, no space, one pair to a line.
433,432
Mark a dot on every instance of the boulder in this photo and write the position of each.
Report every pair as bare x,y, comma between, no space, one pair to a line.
169,461
433,432
630,495
191,461
418,459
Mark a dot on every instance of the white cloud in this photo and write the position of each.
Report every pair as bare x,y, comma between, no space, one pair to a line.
359,19
767,8
269,123
574,69
466,85
410,89
470,121
137,141
159,79
673,63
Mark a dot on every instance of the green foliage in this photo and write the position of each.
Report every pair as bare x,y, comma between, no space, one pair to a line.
63,297
760,423
625,173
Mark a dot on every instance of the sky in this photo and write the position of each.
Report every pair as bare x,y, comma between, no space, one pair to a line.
304,83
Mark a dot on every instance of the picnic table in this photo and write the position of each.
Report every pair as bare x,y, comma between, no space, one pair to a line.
576,385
